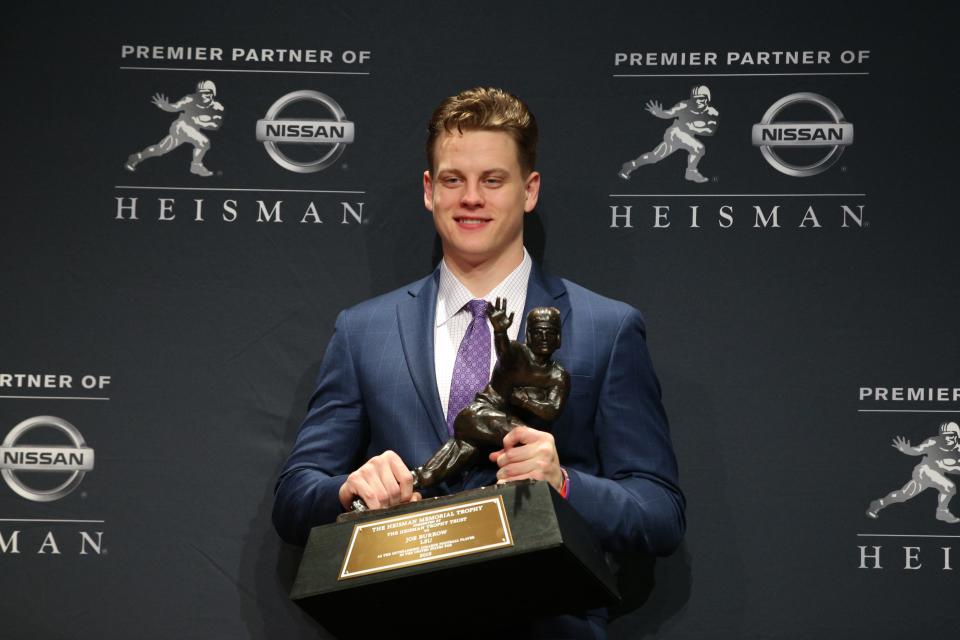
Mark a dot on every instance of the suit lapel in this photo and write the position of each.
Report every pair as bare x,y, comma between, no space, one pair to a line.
544,291
416,318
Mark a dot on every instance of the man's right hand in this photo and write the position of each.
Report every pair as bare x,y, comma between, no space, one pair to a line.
382,481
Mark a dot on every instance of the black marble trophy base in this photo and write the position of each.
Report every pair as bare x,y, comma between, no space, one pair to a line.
555,565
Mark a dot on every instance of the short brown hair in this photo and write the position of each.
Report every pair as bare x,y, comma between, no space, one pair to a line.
486,109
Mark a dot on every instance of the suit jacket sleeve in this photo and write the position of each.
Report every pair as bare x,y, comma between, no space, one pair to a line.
330,443
634,502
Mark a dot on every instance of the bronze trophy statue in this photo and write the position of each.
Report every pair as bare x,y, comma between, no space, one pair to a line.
525,383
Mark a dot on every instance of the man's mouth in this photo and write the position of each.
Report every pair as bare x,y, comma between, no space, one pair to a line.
470,221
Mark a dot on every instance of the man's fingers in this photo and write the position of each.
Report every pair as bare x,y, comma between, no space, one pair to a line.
402,475
519,454
522,443
528,476
528,454
347,492
382,481
395,477
377,495
512,438
389,482
531,467
522,435
509,455
368,489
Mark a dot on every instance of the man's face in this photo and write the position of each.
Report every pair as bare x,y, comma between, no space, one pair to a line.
478,195
951,439
701,102
543,338
206,97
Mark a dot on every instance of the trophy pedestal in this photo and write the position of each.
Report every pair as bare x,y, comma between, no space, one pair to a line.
505,548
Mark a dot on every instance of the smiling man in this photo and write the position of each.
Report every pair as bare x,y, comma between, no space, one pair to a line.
400,367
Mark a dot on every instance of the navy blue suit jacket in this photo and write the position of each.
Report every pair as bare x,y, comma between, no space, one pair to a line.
377,390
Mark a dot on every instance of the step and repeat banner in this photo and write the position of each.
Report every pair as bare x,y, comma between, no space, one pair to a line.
192,192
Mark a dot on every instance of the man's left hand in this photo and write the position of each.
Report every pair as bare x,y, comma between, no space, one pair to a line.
528,454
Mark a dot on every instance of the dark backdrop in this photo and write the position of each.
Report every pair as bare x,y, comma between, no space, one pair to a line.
211,332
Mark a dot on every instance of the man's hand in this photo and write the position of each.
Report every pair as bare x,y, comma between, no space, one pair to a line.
382,481
528,454
498,316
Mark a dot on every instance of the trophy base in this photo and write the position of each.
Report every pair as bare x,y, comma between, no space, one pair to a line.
510,547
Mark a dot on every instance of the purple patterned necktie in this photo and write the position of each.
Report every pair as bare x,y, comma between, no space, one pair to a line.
471,371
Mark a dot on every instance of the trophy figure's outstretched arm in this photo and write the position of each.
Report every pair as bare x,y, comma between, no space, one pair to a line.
501,322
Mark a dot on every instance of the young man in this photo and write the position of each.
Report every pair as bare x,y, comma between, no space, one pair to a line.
381,406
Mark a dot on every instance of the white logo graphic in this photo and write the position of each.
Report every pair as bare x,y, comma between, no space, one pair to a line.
197,111
76,459
941,455
835,133
693,117
333,134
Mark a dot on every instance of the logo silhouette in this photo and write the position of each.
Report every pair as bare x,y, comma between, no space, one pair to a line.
198,112
691,118
941,455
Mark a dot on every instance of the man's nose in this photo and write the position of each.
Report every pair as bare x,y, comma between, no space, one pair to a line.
472,195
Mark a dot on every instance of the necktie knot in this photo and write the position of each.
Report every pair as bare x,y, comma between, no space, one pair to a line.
478,308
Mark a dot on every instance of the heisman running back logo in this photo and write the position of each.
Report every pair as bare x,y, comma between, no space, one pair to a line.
198,112
691,118
941,455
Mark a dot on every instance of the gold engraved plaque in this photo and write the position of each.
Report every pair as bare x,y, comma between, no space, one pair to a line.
427,536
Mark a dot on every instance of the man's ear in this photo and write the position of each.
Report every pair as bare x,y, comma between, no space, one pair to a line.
428,190
531,188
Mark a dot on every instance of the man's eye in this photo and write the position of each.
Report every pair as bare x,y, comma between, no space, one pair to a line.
493,182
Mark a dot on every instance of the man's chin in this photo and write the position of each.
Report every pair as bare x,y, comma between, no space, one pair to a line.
469,252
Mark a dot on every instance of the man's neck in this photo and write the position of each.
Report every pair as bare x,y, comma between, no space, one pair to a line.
480,278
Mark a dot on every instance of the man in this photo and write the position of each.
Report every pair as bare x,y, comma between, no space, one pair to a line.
691,120
197,111
941,455
382,403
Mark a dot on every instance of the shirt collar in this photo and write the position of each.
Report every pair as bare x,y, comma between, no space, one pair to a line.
452,294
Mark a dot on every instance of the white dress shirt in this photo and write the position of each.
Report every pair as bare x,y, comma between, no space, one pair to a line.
452,319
